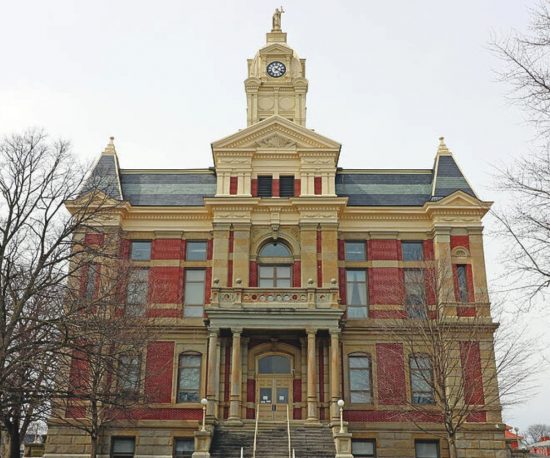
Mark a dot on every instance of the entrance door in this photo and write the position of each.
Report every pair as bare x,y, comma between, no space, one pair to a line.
274,387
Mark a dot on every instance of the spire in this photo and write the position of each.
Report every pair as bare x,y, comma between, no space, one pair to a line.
110,149
442,149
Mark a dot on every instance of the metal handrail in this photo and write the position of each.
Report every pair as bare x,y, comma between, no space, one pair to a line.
256,430
288,430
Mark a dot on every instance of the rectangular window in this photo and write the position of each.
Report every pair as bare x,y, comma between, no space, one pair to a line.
412,251
123,447
91,280
462,282
195,282
355,251
196,251
129,368
356,293
189,378
415,297
137,291
184,448
363,448
141,250
360,379
286,186
275,276
426,449
265,186
421,379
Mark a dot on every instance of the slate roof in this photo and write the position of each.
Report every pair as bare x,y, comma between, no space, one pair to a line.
105,177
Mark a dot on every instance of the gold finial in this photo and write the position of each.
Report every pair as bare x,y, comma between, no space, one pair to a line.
442,149
110,148
277,19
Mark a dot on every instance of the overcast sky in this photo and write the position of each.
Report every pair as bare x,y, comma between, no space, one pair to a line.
386,79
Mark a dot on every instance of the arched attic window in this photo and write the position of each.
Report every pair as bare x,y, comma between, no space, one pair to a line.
275,265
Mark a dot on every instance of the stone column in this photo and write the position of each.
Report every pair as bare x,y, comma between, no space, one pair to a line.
312,414
335,394
478,264
443,266
235,404
213,371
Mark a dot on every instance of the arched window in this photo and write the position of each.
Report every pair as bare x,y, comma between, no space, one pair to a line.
189,377
275,266
360,385
274,364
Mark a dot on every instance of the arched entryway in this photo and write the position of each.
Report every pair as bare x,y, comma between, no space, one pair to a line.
274,378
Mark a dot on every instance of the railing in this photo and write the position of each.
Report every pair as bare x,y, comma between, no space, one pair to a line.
256,430
288,431
316,298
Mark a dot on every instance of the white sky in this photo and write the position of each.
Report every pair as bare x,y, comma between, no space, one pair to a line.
166,79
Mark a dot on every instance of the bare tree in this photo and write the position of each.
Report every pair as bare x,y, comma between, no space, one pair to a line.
526,223
537,431
461,367
38,258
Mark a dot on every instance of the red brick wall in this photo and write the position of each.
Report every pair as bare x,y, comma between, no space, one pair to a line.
297,396
275,187
159,370
297,274
254,187
460,240
342,284
253,274
167,249
341,250
390,373
94,239
385,285
470,357
384,250
428,250
165,285
297,187
319,262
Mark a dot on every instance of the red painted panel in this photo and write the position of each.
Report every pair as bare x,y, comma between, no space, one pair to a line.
297,390
341,250
318,185
465,311
78,375
167,249
165,285
391,416
385,285
209,249
233,183
250,413
226,376
159,369
164,313
460,240
275,186
319,242
75,411
297,413
253,275
384,250
231,241
230,273
208,286
94,239
477,417
251,390
470,357
319,274
297,187
391,374
254,187
470,282
321,374
342,284
297,274
428,250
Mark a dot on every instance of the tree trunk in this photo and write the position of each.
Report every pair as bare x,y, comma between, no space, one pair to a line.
15,443
452,447
93,448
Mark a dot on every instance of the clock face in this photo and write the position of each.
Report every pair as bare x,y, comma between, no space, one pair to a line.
276,69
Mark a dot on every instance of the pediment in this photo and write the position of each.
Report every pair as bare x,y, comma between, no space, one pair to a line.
276,48
460,199
276,133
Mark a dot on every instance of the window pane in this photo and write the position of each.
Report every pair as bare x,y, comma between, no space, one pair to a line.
190,360
356,275
283,283
415,292
141,250
195,251
359,380
193,311
355,251
195,275
357,293
194,287
412,251
359,362
427,449
274,364
265,186
362,448
283,272
265,395
123,445
129,373
138,286
91,281
358,312
286,186
184,448
189,378
272,250
266,282
462,283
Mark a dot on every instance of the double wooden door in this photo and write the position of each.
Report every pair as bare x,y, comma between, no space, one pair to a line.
274,394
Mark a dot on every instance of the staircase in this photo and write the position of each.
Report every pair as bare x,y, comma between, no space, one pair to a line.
272,441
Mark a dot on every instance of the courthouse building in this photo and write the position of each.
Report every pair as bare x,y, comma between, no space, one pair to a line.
278,272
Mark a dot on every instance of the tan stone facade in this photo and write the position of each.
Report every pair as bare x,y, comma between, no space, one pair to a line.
303,319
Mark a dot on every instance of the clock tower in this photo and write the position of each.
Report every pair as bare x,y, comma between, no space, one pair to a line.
276,83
